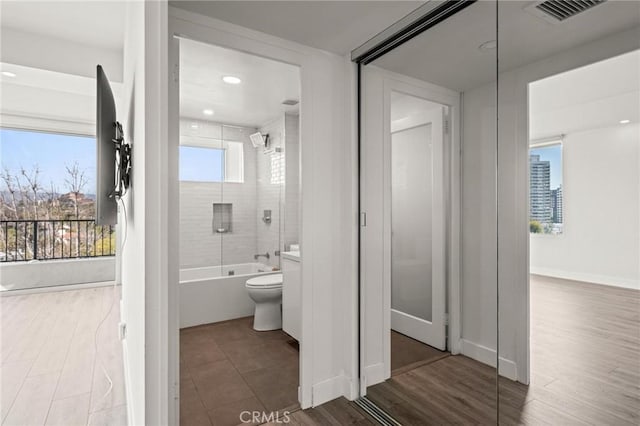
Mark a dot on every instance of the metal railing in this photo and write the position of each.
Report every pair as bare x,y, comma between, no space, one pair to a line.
24,240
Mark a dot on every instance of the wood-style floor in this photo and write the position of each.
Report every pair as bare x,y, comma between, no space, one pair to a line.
227,368
50,373
585,364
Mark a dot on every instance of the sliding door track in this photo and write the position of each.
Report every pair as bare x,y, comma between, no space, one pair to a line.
376,412
421,19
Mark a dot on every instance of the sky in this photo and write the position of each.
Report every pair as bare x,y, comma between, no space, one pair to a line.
201,164
553,154
51,153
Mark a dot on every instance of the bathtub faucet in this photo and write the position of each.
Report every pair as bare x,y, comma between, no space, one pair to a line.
256,256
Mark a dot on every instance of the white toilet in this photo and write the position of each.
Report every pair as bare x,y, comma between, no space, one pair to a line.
266,291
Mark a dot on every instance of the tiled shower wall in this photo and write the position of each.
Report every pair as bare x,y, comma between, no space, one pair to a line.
270,187
276,192
290,222
263,188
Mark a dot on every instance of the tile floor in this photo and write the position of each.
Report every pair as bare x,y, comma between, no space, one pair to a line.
228,367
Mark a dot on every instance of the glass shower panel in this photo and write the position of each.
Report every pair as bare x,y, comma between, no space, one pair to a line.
568,192
429,248
201,172
238,200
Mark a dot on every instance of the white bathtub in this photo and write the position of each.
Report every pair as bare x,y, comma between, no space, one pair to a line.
216,293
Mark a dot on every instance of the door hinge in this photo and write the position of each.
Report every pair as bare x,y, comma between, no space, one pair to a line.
176,72
445,317
447,126
363,219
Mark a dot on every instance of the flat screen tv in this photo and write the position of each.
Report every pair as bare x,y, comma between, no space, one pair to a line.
113,154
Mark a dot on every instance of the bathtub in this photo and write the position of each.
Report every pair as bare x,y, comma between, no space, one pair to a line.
216,293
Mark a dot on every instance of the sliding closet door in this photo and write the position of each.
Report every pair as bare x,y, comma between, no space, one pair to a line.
428,223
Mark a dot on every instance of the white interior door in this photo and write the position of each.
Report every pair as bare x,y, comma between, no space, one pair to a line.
417,220
403,231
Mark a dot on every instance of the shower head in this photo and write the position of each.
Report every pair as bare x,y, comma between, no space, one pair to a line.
258,140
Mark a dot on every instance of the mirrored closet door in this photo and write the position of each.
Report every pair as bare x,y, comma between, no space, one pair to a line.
428,217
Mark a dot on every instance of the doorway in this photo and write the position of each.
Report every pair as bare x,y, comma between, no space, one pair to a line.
583,258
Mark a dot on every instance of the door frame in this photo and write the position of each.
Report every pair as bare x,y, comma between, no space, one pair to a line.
375,342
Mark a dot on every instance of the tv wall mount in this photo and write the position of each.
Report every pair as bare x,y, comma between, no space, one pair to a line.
123,163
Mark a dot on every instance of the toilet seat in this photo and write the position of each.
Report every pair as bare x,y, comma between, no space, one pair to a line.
265,281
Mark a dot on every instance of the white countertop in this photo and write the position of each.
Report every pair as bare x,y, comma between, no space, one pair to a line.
291,255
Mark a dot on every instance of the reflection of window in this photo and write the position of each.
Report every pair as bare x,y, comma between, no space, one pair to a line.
546,215
204,164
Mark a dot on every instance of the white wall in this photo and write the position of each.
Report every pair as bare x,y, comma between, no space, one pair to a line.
34,274
601,238
478,199
150,257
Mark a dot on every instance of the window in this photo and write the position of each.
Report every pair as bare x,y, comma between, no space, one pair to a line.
37,165
47,198
201,164
545,188
206,164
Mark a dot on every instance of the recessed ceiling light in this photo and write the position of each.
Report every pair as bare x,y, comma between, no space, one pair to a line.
625,121
207,111
194,125
488,45
8,74
229,79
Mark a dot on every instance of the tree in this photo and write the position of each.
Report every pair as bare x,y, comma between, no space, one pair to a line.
76,181
535,227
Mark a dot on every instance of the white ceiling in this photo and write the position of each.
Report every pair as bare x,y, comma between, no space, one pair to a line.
253,103
335,26
448,53
95,23
50,95
582,99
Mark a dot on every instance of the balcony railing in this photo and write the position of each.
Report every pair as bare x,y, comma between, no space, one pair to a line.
24,240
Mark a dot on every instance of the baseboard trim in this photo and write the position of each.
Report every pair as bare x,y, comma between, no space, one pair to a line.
587,278
374,374
68,287
328,390
485,355
350,388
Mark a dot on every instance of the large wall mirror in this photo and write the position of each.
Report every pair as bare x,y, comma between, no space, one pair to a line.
499,185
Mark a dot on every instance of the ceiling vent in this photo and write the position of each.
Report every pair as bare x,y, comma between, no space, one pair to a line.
290,102
556,11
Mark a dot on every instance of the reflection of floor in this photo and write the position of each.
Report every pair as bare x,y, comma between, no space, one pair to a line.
50,372
585,364
407,353
227,368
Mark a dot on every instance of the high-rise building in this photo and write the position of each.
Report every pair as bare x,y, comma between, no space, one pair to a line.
556,205
539,189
